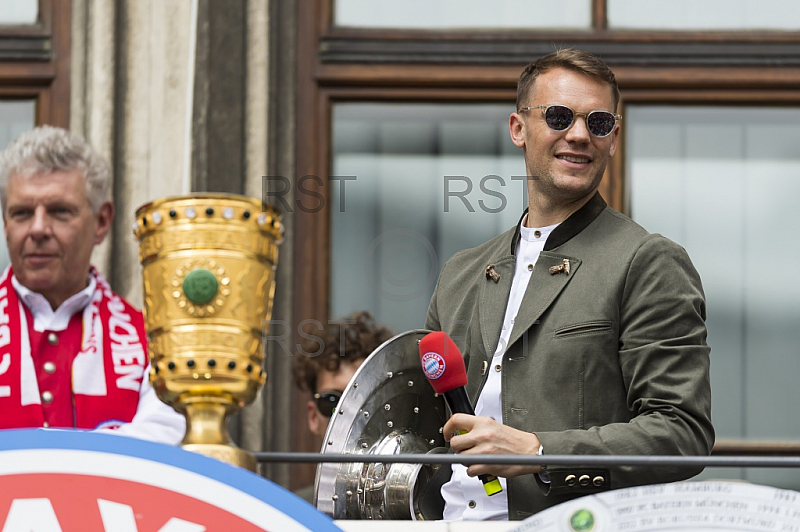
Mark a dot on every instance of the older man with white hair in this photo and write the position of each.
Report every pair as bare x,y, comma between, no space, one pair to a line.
73,354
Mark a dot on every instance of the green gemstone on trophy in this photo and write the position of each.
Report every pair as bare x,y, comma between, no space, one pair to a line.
582,521
200,286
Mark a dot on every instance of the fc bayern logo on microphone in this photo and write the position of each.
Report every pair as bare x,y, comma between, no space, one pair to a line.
433,365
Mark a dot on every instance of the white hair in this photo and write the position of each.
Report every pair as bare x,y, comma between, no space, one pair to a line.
47,149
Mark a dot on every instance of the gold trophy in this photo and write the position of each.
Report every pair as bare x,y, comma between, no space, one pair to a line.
208,266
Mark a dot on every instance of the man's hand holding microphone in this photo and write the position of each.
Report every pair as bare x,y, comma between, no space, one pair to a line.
467,433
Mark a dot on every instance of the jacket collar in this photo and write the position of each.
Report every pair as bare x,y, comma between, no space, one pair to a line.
577,222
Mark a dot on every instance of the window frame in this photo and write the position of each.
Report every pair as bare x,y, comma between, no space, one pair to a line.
35,62
337,64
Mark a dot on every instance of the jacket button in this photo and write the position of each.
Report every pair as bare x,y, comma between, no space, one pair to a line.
47,397
49,367
584,480
570,480
598,481
471,504
52,338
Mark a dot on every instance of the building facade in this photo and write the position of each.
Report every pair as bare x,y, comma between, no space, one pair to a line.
379,129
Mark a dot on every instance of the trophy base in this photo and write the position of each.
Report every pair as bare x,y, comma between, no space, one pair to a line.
226,453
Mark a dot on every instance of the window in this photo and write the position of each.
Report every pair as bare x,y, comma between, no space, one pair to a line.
419,174
16,117
722,182
34,69
459,14
744,62
22,12
35,57
687,15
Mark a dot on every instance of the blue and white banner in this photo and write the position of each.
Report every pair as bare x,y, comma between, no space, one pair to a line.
53,480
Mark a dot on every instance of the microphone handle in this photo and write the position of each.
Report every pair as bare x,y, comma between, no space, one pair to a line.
459,403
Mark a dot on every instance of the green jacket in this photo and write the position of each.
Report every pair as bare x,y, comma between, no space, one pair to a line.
608,359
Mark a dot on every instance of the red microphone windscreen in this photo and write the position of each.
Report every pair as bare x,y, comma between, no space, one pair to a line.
442,362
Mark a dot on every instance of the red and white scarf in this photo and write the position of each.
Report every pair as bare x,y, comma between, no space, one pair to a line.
106,373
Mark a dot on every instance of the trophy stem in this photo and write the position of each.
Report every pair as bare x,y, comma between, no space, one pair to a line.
207,431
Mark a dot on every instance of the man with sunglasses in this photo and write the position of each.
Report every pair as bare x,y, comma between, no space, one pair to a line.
325,364
583,334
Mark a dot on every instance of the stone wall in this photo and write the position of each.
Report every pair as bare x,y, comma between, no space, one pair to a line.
189,96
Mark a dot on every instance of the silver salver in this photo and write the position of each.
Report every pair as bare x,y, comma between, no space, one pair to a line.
389,407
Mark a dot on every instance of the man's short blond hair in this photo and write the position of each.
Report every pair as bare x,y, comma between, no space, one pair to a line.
570,59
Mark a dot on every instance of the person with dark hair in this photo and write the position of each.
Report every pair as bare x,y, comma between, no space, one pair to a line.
73,354
582,333
326,362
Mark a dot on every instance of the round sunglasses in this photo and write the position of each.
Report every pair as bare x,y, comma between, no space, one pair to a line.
327,401
560,118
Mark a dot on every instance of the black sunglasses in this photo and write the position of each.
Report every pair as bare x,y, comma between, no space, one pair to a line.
327,401
560,118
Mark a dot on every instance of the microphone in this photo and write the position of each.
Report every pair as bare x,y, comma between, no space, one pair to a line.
443,366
